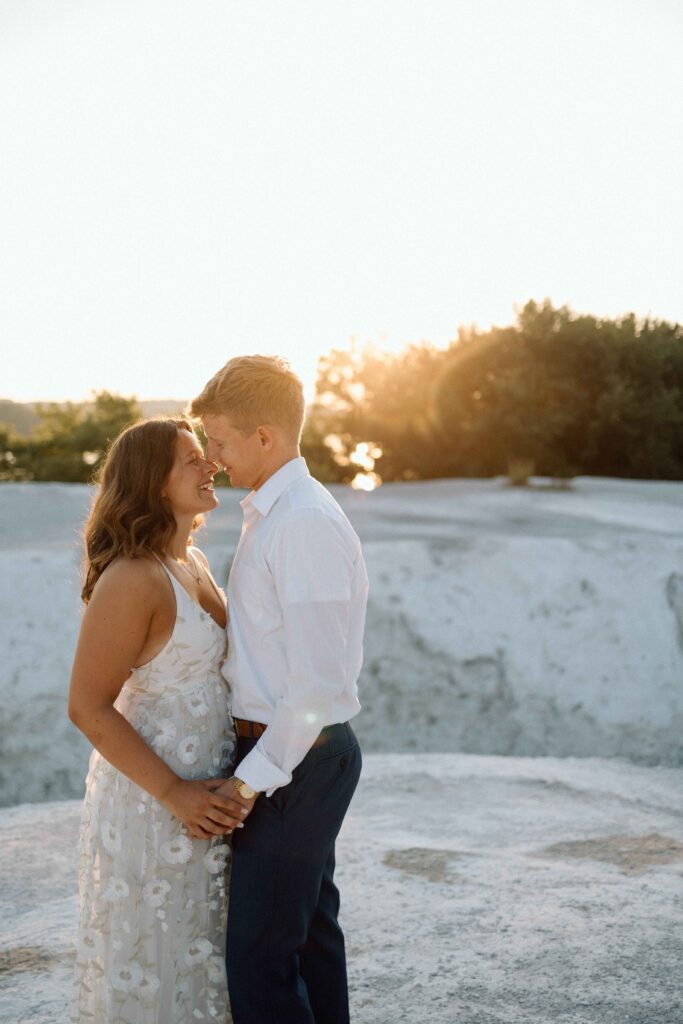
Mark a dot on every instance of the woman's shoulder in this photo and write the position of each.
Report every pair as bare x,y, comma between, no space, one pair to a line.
133,577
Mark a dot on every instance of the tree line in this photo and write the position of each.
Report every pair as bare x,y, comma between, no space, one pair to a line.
69,442
555,394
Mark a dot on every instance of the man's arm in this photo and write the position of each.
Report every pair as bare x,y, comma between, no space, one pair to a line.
313,569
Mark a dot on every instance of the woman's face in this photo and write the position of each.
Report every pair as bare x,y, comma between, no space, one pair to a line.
189,488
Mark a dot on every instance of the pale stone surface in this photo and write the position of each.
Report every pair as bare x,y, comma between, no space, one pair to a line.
501,621
475,890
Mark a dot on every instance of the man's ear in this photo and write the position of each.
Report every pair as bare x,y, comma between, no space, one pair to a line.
266,438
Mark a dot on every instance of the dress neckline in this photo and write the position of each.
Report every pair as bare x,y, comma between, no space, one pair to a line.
174,580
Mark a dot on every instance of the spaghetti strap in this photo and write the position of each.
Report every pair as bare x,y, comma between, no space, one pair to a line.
161,563
174,582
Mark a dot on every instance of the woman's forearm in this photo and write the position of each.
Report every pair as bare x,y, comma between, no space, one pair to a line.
118,742
195,803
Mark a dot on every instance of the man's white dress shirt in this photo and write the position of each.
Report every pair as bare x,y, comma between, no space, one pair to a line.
296,601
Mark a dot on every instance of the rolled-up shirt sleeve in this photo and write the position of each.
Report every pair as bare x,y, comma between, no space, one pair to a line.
312,563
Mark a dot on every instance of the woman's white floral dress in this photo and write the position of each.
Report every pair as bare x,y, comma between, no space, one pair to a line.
151,937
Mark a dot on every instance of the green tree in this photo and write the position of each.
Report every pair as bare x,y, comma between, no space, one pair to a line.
11,452
374,396
560,392
498,400
72,439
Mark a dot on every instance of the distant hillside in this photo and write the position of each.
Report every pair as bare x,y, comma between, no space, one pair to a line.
20,416
163,406
23,419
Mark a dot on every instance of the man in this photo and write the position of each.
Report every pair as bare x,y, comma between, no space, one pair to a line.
296,596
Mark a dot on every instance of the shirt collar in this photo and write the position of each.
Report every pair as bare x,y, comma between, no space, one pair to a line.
268,493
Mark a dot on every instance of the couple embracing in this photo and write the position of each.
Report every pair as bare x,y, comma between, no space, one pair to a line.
214,773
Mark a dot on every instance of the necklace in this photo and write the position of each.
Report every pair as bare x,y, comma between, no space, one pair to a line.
183,565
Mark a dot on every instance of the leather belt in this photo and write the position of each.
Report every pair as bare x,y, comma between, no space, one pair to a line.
252,730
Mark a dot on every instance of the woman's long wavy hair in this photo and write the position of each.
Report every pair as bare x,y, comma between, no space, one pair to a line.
129,516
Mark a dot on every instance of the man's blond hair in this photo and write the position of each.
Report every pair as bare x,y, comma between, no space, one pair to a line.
254,391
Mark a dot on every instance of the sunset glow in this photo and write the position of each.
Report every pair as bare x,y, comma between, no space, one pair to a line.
323,175
366,481
365,454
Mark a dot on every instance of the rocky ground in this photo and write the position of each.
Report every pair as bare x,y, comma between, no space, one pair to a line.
501,621
476,890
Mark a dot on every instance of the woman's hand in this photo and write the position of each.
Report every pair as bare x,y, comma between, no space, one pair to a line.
204,812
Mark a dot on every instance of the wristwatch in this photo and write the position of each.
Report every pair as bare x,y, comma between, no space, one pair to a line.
245,790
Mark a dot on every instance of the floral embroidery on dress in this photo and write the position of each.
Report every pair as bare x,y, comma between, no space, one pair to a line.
153,902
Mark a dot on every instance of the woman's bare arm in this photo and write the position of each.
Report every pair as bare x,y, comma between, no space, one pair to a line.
113,633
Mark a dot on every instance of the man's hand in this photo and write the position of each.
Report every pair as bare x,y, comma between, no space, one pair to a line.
229,789
204,810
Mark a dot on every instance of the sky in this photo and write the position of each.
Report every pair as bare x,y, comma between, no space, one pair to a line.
181,183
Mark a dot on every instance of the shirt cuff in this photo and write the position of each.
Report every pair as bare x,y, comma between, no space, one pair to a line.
260,773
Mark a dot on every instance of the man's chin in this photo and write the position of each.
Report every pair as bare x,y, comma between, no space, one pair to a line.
237,481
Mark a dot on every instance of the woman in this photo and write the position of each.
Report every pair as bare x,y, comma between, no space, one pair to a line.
146,690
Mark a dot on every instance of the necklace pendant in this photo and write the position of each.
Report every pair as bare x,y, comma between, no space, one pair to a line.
183,565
